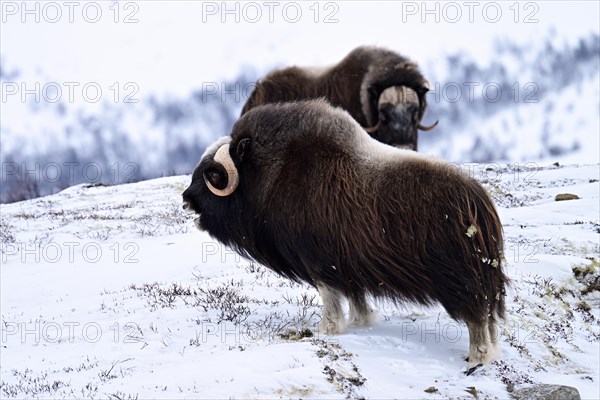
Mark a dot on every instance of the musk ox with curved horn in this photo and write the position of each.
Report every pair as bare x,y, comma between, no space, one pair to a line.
302,189
383,91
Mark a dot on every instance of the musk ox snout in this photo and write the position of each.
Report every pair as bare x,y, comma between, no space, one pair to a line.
191,205
316,199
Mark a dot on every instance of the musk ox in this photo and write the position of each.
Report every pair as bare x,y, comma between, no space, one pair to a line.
383,91
302,189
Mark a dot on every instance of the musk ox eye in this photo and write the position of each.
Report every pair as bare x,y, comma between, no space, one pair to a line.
415,116
216,178
382,115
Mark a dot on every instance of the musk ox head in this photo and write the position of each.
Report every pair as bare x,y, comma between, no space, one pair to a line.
399,116
215,175
236,175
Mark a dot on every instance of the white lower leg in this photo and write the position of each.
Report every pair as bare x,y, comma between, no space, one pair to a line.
494,341
361,314
482,349
332,321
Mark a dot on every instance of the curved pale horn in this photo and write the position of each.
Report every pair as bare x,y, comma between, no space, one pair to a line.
427,128
374,128
233,178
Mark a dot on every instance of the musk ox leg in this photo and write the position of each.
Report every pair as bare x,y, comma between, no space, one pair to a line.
494,338
332,321
482,348
361,314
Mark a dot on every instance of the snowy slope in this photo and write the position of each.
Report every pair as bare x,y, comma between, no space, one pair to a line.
110,292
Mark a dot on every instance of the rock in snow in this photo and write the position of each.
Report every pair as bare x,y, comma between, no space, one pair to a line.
547,392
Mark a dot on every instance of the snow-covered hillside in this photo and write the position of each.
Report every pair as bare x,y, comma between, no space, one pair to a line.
110,292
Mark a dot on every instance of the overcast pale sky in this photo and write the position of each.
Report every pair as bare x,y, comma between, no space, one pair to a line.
176,45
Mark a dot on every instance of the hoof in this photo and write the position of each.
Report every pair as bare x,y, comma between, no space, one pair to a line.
473,369
367,319
330,327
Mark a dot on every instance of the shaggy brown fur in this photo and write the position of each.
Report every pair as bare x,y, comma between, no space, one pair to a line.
355,84
320,201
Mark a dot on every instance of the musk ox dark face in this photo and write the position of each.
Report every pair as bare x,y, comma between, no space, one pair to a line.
398,118
302,189
383,91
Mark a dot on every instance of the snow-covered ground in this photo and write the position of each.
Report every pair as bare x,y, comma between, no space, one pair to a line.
110,292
